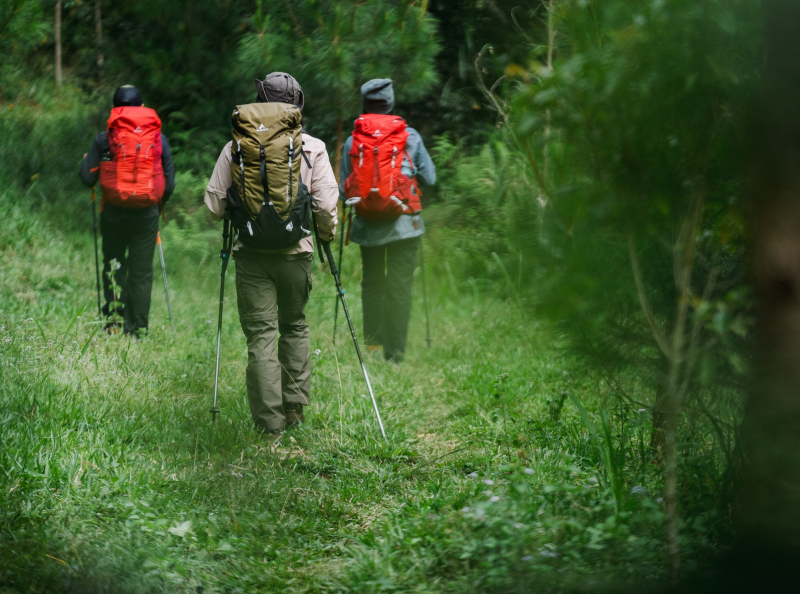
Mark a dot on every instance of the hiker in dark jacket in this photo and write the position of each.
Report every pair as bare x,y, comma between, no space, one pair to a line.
388,248
129,233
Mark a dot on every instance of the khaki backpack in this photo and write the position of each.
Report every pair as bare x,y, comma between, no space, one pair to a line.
267,202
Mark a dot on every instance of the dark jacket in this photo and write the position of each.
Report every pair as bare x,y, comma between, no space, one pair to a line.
90,174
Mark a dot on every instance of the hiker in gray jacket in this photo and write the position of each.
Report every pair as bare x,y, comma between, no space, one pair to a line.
388,247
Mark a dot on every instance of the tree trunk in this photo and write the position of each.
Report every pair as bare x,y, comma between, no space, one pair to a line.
58,43
98,39
551,39
768,546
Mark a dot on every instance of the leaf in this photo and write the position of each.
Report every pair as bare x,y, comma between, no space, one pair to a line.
181,529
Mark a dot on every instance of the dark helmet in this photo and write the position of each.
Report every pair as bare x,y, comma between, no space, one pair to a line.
127,96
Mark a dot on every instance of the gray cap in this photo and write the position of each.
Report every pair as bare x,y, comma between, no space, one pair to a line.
377,96
280,87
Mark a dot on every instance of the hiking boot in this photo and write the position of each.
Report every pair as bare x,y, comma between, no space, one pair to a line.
271,437
395,358
294,414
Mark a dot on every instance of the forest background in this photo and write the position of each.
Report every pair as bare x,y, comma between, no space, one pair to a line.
593,176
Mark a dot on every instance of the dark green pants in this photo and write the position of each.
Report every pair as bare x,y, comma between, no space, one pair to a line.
272,292
386,284
131,241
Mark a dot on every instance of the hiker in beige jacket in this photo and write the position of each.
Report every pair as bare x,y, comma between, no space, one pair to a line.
273,285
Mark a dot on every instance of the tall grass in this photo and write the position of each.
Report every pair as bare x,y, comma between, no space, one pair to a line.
113,478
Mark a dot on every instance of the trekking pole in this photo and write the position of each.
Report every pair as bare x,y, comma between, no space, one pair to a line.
425,292
96,259
227,241
341,251
164,274
327,247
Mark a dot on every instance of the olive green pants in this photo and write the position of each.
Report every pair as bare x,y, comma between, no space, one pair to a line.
272,292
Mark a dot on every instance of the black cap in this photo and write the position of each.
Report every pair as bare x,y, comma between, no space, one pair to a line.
127,96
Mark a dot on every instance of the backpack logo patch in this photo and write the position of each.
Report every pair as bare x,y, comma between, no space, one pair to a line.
377,133
261,128
138,130
290,226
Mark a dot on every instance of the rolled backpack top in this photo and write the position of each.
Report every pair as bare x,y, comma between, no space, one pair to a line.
267,202
377,187
133,177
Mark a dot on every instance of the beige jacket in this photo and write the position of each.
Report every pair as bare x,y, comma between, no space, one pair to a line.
319,181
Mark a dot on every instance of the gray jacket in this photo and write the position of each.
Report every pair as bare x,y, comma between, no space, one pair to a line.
373,233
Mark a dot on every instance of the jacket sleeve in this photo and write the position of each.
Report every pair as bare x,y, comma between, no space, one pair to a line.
218,184
423,164
169,170
90,167
325,195
345,166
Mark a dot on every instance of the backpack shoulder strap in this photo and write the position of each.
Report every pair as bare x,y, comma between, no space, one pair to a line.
408,156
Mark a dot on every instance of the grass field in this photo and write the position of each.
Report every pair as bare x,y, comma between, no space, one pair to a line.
114,479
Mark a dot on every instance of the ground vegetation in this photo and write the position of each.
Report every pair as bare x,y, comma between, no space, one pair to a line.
576,424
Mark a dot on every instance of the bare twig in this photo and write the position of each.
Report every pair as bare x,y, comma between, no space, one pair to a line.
658,336
450,453
11,16
293,17
683,267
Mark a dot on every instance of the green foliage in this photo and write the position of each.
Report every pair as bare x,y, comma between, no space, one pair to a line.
479,195
457,105
23,28
635,140
112,466
44,136
612,202
647,118
332,48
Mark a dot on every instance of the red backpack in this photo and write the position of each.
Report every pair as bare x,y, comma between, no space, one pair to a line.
134,177
377,186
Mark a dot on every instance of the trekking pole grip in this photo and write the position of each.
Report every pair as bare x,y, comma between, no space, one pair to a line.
331,261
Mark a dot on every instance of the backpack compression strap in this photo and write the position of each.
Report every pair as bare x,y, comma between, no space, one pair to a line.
264,179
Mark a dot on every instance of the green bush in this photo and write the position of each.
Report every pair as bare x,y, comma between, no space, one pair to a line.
45,134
